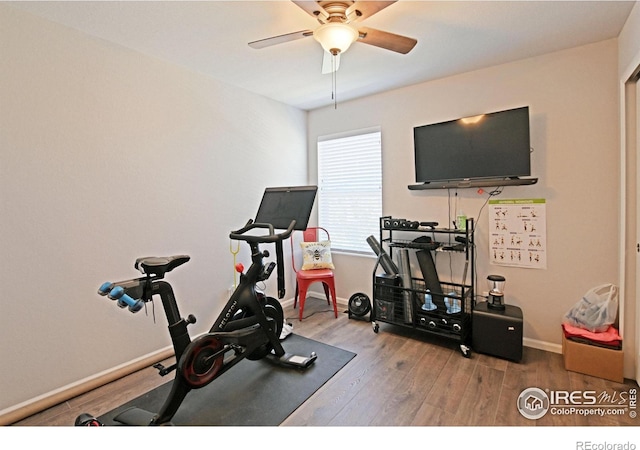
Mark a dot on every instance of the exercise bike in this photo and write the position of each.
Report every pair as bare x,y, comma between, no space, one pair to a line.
249,325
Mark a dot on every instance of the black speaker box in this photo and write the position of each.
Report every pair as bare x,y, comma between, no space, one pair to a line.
387,297
497,332
387,287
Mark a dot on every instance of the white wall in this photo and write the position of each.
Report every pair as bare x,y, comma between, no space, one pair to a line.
573,102
108,155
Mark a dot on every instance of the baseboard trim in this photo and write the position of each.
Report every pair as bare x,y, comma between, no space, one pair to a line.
25,409
340,301
542,345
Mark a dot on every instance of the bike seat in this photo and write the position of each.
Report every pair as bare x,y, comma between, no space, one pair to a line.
153,265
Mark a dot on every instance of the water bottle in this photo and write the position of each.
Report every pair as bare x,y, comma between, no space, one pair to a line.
461,221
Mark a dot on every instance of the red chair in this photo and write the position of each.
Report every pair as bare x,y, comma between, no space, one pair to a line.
316,266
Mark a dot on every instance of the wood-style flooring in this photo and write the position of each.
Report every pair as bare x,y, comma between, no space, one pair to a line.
398,378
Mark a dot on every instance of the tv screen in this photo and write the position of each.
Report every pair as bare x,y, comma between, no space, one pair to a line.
281,205
494,145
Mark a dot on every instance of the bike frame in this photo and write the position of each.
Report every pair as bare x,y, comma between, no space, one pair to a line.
249,325
247,333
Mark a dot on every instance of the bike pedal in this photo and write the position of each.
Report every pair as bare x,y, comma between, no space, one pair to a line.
162,370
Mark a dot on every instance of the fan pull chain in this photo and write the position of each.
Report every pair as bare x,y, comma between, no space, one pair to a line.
334,81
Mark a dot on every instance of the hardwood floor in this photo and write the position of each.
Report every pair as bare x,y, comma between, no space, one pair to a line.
398,378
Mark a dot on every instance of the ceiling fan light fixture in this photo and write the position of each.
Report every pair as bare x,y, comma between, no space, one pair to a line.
472,119
335,37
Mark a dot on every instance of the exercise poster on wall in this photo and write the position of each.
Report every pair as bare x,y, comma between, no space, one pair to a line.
518,233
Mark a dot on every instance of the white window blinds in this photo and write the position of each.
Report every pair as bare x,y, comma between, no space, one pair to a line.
350,189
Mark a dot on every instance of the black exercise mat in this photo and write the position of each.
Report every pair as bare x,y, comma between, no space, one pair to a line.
253,393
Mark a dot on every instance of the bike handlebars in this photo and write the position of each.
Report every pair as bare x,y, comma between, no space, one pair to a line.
240,235
272,237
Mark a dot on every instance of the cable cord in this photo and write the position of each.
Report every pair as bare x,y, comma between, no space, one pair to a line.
312,314
497,191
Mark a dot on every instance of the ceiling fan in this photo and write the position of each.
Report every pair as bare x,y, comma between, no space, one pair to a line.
336,32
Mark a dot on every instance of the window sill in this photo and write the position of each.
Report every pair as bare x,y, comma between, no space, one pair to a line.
352,253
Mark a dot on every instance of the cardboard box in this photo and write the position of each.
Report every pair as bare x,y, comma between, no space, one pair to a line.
593,360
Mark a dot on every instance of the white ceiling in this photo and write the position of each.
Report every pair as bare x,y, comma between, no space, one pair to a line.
453,37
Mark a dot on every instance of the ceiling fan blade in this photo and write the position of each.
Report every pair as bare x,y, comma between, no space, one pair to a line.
330,63
313,9
262,43
386,40
361,10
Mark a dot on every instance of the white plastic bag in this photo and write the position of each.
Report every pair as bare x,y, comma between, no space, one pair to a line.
597,310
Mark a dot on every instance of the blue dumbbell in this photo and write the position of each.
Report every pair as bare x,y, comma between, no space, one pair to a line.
117,293
105,288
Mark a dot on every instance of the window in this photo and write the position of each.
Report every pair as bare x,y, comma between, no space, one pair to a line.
350,189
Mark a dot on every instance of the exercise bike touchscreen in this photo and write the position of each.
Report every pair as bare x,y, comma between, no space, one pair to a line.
281,205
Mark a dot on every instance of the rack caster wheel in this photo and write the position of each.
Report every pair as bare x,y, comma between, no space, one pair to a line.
376,327
465,350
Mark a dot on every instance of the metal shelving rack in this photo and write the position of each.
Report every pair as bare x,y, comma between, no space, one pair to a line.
403,303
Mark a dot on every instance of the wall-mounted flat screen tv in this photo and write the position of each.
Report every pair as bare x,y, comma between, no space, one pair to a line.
494,146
